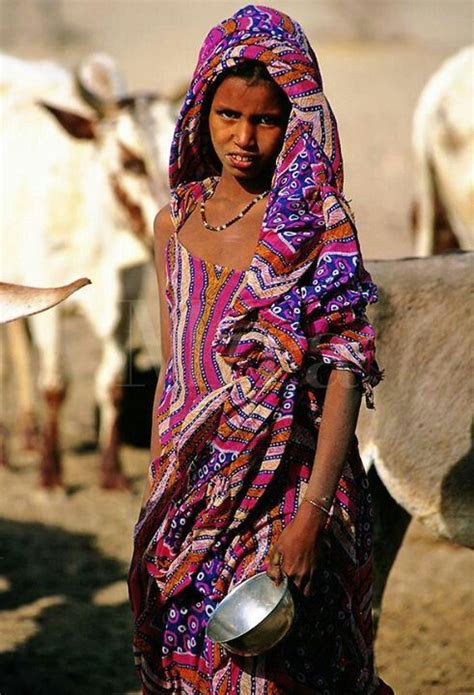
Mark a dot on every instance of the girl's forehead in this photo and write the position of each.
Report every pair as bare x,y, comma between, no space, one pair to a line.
236,89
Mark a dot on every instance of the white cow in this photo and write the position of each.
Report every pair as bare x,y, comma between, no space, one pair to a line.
418,443
443,146
83,173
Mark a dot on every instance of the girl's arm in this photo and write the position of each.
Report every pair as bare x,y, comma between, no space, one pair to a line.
295,552
337,428
163,228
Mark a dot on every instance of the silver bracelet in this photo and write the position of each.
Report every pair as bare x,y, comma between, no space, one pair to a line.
317,504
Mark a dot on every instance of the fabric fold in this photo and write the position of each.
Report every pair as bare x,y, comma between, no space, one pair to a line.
236,457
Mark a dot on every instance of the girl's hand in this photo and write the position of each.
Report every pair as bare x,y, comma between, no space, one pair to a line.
296,551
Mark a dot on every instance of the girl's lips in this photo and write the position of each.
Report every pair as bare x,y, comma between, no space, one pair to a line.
241,161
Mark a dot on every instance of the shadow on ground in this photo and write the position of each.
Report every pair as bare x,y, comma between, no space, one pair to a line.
79,648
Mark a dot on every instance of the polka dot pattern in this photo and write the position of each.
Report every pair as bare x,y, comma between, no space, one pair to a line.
239,417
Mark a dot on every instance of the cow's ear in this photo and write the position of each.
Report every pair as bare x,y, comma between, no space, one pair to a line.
78,126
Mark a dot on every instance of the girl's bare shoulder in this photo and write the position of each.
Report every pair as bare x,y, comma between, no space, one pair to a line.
163,227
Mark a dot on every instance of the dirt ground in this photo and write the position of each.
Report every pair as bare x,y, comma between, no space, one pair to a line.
65,622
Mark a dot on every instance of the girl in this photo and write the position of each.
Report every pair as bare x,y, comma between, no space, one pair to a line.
263,295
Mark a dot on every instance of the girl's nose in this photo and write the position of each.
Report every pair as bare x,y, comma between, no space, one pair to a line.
244,134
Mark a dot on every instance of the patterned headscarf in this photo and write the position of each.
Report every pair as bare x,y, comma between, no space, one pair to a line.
307,261
302,305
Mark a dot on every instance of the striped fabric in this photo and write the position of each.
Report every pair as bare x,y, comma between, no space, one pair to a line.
332,634
241,406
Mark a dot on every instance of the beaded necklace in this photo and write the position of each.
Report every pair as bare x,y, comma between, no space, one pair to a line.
221,227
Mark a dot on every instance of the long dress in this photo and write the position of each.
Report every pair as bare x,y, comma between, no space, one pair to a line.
329,648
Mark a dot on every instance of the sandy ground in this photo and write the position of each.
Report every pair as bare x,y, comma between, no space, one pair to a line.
63,559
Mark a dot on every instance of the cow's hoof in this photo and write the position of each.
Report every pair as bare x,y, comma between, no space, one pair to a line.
115,481
51,481
4,463
3,447
48,496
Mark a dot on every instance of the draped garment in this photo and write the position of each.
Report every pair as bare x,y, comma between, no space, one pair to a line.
243,399
329,649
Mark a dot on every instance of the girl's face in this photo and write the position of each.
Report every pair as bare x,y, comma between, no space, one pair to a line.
247,123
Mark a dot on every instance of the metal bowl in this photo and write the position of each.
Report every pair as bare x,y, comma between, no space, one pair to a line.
253,617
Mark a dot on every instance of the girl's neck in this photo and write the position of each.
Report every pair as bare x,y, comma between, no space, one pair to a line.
228,187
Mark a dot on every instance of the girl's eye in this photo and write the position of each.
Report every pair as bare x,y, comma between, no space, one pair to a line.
269,120
225,113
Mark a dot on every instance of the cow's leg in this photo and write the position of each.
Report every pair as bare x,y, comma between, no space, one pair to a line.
109,396
45,329
4,460
20,355
433,232
444,237
121,291
102,306
50,471
108,307
423,217
390,524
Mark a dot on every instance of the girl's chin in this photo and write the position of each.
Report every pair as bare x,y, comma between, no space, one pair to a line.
241,170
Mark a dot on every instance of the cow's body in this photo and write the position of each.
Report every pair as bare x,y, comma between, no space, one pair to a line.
443,146
420,438
79,193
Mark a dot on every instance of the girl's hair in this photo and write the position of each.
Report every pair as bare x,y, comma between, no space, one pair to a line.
249,70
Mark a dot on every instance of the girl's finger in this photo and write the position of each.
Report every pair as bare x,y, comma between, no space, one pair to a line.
273,572
276,557
274,569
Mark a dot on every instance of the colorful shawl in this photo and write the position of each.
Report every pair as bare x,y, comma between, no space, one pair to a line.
302,306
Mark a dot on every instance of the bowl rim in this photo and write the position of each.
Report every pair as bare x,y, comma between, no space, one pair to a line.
284,585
